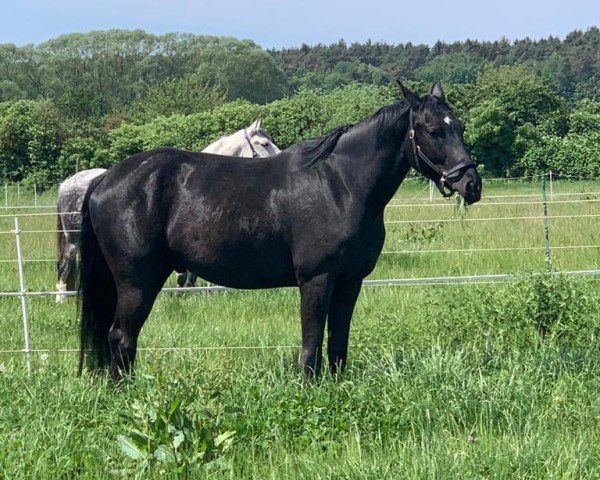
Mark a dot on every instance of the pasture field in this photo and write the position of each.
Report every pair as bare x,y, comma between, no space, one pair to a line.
495,380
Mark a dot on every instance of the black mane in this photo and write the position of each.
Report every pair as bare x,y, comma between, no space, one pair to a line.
316,150
389,114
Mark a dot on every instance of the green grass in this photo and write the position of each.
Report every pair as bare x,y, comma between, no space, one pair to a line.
444,381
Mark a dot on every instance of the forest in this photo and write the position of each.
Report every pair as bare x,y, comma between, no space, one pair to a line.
86,100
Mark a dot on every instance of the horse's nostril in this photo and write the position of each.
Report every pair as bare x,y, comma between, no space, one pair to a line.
474,190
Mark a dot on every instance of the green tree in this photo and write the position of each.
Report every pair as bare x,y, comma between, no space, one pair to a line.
243,69
14,138
31,134
574,153
186,95
9,90
507,98
46,135
491,135
451,68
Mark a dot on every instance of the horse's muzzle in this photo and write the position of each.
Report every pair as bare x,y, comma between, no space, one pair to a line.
469,186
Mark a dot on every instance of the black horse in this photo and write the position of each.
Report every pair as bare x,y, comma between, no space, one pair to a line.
310,217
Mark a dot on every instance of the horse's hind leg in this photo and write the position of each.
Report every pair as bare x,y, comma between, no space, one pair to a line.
133,307
73,273
343,300
186,279
191,279
182,279
66,271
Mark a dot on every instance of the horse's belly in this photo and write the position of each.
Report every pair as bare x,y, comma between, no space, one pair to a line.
266,267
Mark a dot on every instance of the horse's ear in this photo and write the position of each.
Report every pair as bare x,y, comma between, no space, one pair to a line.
255,126
412,98
436,91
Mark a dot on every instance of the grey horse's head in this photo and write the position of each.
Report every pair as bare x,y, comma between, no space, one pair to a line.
258,142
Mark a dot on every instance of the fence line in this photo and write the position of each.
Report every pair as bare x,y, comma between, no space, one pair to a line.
166,349
499,249
522,195
487,219
45,214
390,222
447,203
491,204
34,189
394,252
452,280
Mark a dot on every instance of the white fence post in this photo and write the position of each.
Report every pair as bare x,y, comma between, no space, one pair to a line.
431,190
551,189
6,196
35,194
23,294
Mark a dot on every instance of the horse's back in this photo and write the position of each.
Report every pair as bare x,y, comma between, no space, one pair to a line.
209,214
71,193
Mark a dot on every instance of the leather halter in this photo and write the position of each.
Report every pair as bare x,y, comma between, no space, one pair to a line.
445,175
254,152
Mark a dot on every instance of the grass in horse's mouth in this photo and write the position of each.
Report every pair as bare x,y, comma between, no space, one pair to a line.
461,206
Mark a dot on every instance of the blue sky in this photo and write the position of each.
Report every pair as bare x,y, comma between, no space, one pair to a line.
277,24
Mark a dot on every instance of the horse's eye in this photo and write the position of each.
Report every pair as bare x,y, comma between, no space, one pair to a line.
264,142
436,133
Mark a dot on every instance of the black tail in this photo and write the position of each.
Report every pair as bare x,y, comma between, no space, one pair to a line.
97,295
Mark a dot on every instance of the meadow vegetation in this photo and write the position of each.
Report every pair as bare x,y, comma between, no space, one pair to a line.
493,380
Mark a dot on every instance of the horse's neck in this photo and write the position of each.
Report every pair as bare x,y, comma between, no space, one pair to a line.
232,145
374,167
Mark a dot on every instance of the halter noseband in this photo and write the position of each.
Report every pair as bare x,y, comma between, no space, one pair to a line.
442,183
254,152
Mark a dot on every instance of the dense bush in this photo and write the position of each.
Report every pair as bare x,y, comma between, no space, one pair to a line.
307,114
31,137
576,153
516,125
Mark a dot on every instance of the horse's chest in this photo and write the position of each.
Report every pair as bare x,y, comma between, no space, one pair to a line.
363,254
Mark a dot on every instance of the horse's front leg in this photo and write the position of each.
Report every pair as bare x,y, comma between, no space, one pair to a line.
343,300
315,295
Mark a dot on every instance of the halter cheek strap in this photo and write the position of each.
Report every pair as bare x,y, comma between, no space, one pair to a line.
247,137
444,175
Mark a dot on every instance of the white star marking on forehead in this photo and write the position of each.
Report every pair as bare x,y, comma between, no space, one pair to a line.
447,120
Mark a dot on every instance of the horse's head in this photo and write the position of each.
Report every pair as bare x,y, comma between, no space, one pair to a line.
439,150
258,142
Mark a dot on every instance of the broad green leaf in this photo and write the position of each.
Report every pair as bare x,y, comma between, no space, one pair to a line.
224,437
130,448
164,454
178,439
140,438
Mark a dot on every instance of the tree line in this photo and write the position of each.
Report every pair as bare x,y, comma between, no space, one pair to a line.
572,64
85,100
